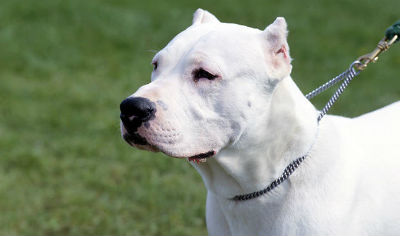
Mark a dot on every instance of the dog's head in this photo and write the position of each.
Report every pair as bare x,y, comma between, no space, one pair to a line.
210,85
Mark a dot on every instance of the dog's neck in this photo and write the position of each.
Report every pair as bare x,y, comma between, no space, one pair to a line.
288,130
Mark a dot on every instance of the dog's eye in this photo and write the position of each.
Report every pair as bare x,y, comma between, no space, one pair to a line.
155,65
201,73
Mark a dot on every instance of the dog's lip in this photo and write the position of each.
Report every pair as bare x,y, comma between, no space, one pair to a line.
203,155
147,146
200,157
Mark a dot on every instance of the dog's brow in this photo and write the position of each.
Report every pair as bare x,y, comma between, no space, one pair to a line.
157,56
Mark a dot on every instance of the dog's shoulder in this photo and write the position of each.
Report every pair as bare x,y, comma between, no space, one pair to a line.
389,113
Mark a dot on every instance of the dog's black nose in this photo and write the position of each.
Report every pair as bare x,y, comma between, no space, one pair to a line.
135,111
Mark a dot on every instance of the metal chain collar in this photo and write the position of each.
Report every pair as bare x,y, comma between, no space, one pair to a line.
286,173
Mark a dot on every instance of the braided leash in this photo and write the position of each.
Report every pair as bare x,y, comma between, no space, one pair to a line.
392,35
348,75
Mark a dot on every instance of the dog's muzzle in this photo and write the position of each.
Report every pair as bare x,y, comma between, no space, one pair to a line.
136,111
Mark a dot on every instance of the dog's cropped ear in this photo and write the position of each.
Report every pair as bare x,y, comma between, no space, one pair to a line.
201,16
277,49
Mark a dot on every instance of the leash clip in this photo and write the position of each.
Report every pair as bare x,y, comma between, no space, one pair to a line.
383,45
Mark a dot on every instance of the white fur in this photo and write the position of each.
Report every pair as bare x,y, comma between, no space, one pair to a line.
258,121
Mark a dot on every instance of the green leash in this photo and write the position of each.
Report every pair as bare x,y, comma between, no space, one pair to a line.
393,30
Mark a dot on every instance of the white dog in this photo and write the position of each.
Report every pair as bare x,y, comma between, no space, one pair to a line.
221,96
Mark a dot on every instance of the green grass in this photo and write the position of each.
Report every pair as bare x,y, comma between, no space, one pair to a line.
65,65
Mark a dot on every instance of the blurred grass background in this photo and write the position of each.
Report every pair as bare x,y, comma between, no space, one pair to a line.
65,65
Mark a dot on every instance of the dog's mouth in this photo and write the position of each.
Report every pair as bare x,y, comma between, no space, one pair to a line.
202,157
133,138
140,142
